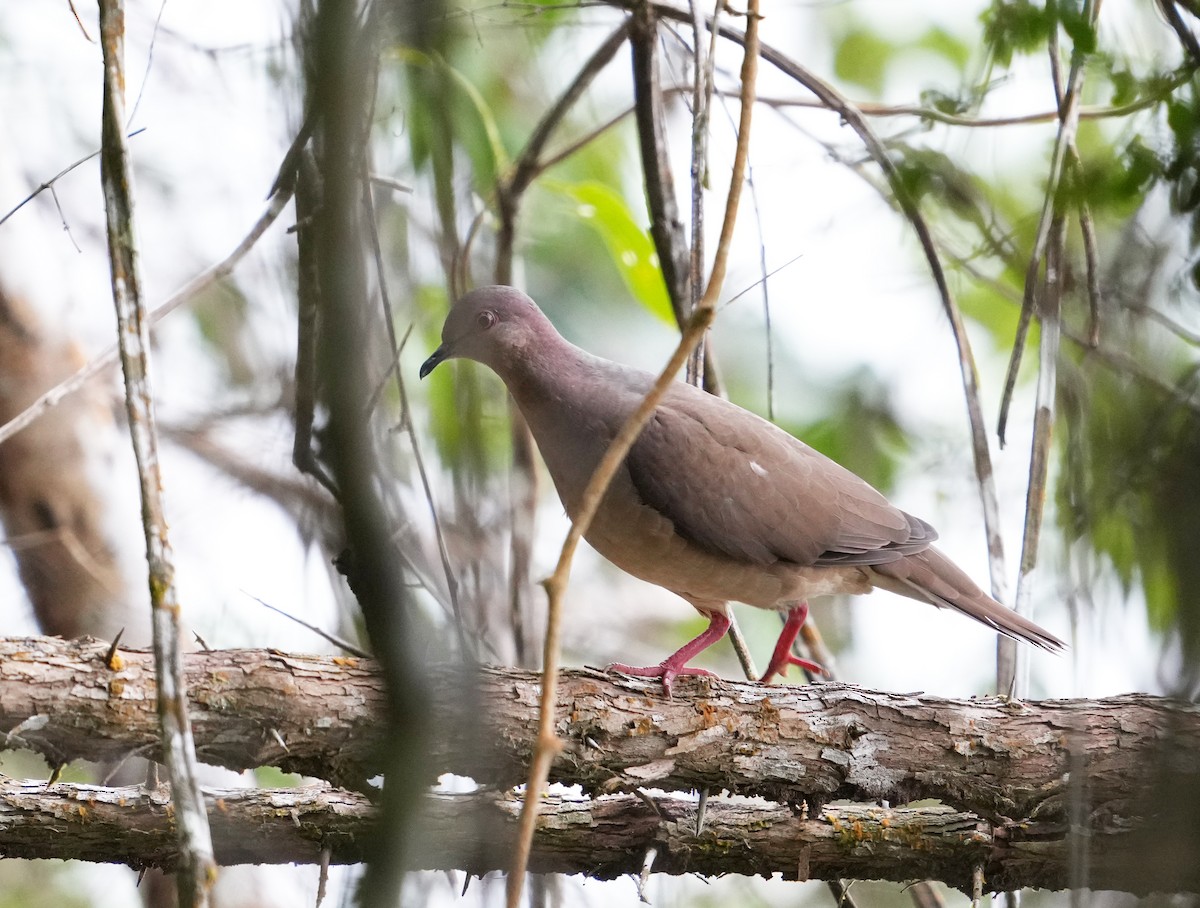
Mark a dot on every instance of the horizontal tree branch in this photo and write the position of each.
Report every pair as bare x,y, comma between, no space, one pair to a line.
318,716
603,837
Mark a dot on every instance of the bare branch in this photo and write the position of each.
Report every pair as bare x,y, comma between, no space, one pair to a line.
196,870
1050,245
600,838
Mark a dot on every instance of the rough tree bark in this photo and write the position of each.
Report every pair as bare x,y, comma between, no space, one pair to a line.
603,837
1001,769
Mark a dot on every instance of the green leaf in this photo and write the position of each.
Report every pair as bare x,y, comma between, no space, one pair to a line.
862,57
629,246
1014,26
488,154
1125,87
997,314
1077,26
944,44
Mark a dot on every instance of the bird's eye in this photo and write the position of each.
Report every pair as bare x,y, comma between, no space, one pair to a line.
486,319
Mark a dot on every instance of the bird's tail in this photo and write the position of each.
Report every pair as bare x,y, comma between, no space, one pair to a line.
930,576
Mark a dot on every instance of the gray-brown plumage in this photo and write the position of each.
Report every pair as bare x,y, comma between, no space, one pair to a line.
713,502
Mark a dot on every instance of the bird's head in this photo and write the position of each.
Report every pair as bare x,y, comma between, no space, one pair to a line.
491,325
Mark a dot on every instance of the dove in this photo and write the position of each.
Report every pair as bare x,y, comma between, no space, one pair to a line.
712,502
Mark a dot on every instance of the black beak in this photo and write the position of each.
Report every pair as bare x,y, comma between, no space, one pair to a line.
437,356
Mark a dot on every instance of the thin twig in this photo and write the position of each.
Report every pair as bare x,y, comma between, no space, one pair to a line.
319,631
390,183
1065,137
529,164
932,114
1117,360
666,226
58,176
1180,331
389,320
197,867
560,155
547,743
162,8
184,294
703,63
1091,263
1185,35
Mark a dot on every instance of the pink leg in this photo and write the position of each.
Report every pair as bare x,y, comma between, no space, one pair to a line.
782,657
677,663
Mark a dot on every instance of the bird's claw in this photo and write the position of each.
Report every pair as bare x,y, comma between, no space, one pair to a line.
782,667
664,670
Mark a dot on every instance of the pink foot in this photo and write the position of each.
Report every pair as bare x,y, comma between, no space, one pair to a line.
782,657
663,670
677,663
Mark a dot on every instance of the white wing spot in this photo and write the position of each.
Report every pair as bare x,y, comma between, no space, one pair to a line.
758,468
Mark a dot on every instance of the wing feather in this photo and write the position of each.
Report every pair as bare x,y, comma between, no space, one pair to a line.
737,485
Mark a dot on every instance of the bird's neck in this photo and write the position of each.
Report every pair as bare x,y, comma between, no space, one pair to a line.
573,404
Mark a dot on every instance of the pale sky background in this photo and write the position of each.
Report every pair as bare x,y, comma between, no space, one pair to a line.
858,294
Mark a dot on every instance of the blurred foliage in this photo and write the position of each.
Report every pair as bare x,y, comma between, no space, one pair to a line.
1131,487
861,431
864,56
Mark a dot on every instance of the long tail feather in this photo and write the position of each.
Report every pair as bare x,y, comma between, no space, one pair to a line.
930,576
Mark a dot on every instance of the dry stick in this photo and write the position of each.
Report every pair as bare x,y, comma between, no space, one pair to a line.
1091,260
1012,660
197,869
666,225
184,294
547,744
1180,331
319,631
1012,676
1118,360
529,165
1068,126
854,118
702,83
1181,29
406,414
